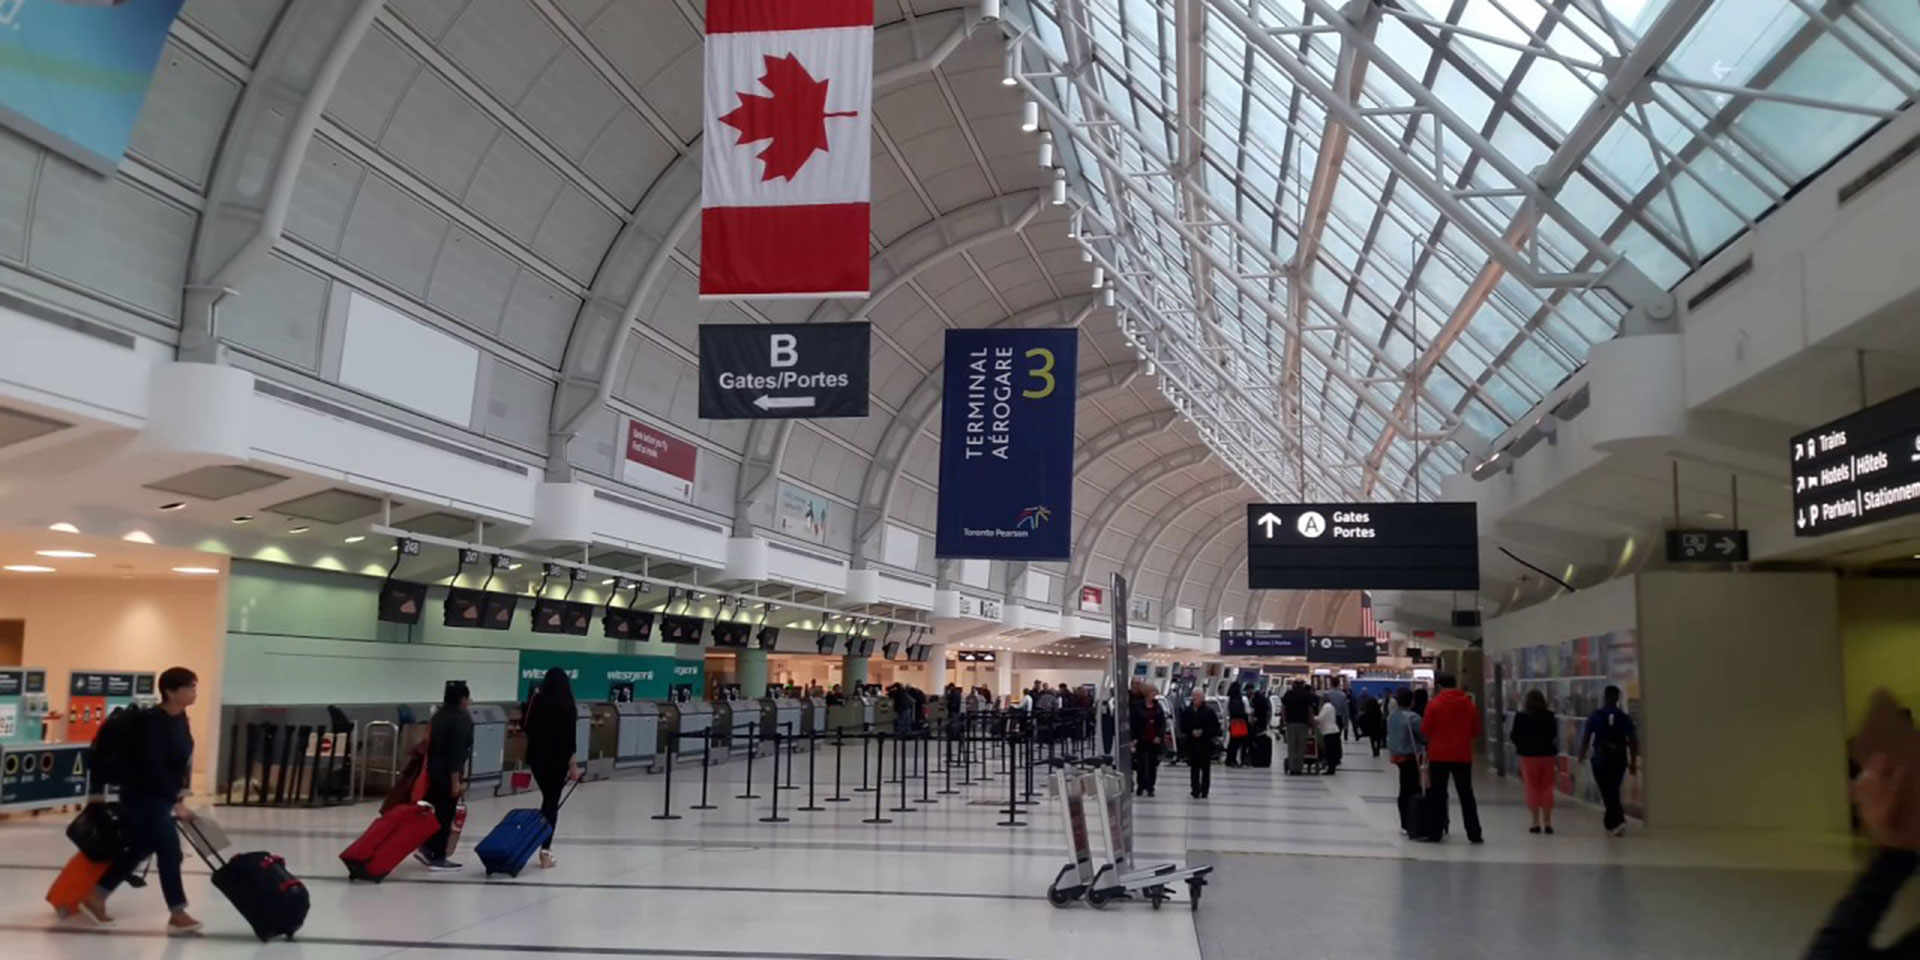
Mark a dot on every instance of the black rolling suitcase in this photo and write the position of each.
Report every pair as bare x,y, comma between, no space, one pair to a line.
272,900
1260,751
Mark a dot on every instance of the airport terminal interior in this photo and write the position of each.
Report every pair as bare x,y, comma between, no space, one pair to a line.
991,479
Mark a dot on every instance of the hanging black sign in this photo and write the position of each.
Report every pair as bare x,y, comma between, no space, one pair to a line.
1343,650
1264,643
1363,546
759,371
1859,469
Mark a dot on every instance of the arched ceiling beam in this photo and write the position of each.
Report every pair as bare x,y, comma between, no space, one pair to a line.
1177,584
1217,594
1120,434
259,160
1089,533
757,475
597,348
1186,503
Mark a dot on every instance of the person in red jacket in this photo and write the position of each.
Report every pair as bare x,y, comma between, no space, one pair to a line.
1452,724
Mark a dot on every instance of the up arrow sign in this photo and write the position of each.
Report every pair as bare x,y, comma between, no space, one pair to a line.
765,402
1267,522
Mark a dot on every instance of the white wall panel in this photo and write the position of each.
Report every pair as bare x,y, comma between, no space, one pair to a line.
394,357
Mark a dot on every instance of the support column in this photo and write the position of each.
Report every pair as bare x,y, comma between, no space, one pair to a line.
751,667
853,672
937,670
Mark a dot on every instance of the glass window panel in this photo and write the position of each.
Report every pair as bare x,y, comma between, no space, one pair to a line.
1899,16
1555,93
1650,255
1463,96
1805,138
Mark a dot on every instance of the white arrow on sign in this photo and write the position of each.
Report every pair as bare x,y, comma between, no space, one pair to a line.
1267,522
1727,546
765,402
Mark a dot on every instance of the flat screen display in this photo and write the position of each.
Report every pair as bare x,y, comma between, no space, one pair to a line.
679,629
462,607
496,610
401,602
549,615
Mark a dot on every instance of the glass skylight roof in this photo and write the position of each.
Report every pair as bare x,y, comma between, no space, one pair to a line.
1309,206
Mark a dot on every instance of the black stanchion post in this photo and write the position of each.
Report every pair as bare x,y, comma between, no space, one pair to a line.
901,756
1031,749
1013,804
926,766
786,733
753,728
839,751
879,772
666,790
813,750
947,771
706,764
866,744
775,816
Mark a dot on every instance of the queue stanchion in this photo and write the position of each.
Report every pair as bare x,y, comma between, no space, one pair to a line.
877,817
947,770
926,766
775,816
706,765
839,752
786,733
866,744
901,756
1013,805
753,728
813,750
1031,744
666,790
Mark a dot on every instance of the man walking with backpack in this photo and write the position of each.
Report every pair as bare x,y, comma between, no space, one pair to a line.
1610,736
151,757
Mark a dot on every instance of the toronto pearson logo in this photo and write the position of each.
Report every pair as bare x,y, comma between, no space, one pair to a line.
1033,518
793,120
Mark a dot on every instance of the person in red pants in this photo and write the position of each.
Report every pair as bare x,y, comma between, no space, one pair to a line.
1536,738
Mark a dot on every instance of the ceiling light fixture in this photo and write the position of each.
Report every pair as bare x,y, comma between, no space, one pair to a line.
1099,277
65,554
64,528
197,571
1107,297
243,518
138,536
299,529
176,505
1030,116
356,538
26,568
1046,149
1059,187
1011,78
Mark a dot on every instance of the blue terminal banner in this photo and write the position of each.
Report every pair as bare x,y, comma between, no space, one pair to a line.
74,73
1006,445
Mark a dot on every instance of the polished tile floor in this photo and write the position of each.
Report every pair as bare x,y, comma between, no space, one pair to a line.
1308,867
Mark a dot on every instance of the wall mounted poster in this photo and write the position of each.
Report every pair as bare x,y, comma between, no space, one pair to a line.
1006,445
800,513
74,76
1574,675
660,462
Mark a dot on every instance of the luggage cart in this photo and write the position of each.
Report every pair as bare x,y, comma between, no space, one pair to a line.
1075,782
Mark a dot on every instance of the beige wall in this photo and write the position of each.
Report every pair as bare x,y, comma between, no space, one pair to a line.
1741,674
132,626
1880,633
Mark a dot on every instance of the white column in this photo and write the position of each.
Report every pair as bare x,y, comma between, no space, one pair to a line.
937,669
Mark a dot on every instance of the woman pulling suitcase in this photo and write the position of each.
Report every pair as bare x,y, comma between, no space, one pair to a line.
552,749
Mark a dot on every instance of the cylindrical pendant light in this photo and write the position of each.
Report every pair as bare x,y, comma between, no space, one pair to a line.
1030,116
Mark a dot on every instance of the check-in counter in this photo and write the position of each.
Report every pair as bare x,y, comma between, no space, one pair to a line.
780,715
637,740
489,741
683,727
600,741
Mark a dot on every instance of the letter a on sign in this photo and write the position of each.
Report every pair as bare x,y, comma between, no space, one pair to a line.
786,173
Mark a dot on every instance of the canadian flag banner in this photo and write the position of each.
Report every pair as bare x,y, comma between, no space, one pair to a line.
787,158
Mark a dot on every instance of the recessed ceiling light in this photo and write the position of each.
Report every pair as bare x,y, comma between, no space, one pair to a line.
1713,515
64,528
243,518
176,505
26,568
138,536
356,538
197,571
299,529
65,554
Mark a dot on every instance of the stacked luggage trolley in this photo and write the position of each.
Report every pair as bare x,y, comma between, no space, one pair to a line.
1078,784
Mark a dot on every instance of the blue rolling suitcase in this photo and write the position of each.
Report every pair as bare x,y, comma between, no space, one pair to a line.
509,846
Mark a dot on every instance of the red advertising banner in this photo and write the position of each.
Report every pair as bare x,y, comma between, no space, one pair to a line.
660,462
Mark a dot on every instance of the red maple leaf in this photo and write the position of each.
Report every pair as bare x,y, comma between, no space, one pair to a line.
793,120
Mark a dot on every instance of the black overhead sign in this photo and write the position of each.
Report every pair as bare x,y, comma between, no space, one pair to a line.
1264,643
1706,546
758,371
1343,650
1859,469
1363,546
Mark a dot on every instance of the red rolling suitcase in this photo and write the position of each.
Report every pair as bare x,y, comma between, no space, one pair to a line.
75,882
392,838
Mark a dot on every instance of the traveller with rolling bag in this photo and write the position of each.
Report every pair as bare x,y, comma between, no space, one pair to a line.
396,835
508,846
552,725
150,755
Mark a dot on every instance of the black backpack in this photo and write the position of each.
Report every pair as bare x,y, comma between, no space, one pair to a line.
116,745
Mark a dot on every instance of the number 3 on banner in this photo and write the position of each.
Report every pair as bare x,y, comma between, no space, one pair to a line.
1044,374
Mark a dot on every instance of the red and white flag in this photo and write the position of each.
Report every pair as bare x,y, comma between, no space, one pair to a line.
787,159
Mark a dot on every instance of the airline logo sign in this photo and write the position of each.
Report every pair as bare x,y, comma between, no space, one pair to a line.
757,371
